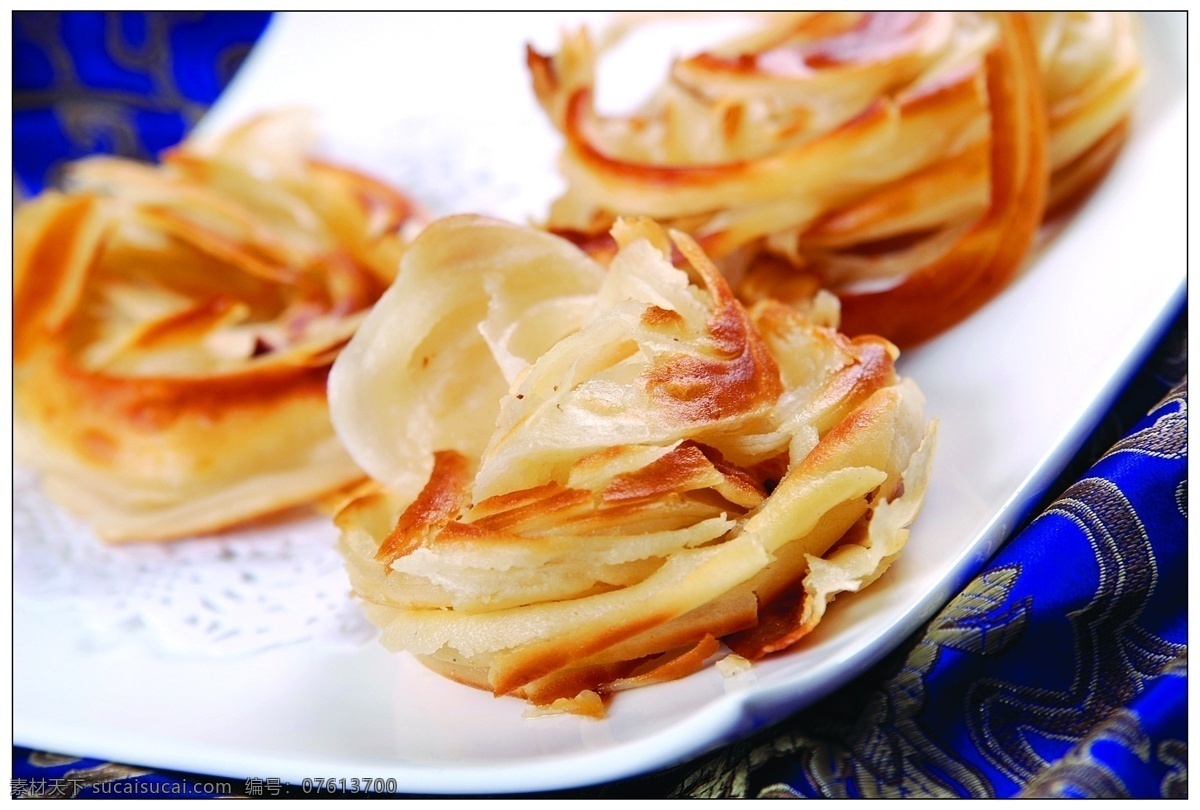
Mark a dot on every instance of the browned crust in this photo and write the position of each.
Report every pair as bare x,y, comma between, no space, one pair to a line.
859,419
567,683
578,109
670,666
550,499
39,280
779,627
545,78
941,294
549,658
441,500
374,196
837,45
153,404
684,468
117,442
659,318
983,205
741,378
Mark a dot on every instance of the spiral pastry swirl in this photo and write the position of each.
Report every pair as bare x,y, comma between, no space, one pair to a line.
653,466
174,326
902,160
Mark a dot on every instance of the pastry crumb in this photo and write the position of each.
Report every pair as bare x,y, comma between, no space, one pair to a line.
586,703
732,664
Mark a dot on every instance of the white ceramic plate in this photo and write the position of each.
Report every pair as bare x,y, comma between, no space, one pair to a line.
1017,388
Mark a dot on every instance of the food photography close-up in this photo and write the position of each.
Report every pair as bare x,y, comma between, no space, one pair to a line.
599,405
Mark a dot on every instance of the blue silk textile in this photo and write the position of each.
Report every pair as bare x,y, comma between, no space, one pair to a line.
1060,670
128,84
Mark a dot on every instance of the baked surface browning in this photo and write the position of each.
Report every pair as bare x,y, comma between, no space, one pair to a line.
903,160
649,483
174,327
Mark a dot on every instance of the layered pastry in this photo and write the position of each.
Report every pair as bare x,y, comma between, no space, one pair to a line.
590,480
174,326
904,161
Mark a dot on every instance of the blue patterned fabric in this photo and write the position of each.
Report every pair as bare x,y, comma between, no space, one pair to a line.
127,83
41,775
1061,670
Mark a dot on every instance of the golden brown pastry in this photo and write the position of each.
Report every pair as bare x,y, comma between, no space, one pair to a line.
588,480
174,326
903,160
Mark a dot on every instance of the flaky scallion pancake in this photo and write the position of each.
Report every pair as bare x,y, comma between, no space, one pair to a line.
174,326
585,482
902,160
